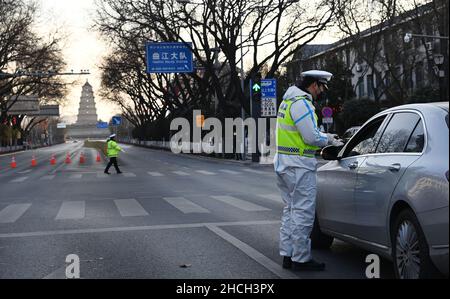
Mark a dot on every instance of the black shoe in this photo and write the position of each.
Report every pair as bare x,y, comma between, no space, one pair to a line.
119,172
106,172
312,265
287,262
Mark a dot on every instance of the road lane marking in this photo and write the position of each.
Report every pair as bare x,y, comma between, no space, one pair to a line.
59,273
129,175
255,171
182,173
25,171
230,171
253,253
134,228
185,206
11,213
205,172
155,173
240,204
273,197
102,175
76,176
19,180
130,208
47,178
71,210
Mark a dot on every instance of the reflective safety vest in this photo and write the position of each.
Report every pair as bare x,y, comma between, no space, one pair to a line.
113,149
289,139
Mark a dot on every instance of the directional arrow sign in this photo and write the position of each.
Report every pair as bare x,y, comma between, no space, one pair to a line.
256,87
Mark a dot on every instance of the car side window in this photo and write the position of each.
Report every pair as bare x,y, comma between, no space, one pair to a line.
417,140
397,133
365,140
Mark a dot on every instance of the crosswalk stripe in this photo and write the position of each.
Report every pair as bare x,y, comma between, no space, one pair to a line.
47,178
72,210
19,180
181,173
229,171
13,212
206,172
155,173
185,206
130,208
273,197
254,171
129,175
102,175
76,176
240,204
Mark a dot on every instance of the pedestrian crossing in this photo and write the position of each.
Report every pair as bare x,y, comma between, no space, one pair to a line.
131,207
186,172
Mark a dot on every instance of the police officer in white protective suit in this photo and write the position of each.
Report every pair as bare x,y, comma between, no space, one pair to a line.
298,138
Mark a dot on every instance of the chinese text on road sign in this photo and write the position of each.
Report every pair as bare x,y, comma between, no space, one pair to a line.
169,58
268,97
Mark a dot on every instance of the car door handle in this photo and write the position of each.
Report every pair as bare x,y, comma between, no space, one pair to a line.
395,167
353,165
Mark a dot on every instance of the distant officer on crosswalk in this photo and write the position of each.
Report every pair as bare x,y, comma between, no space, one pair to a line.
112,151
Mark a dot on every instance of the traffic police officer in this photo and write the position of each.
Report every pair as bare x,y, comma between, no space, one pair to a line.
298,139
112,151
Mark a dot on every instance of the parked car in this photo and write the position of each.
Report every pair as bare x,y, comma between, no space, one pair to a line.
349,133
387,190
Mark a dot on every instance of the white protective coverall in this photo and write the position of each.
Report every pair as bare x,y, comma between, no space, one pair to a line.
296,178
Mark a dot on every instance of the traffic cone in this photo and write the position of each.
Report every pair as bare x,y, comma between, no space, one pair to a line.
33,162
13,162
68,161
99,159
82,158
53,160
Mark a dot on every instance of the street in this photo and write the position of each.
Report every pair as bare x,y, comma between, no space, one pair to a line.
166,216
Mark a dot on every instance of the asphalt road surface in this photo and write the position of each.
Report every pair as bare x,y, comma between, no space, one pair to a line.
166,216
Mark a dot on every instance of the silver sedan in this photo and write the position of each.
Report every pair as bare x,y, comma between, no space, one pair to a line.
387,190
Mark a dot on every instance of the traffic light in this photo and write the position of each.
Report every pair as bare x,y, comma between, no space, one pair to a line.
255,92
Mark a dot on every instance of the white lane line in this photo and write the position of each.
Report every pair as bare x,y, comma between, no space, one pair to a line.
272,197
130,208
205,172
129,175
71,210
230,171
25,171
155,173
255,171
182,173
11,213
240,204
185,206
134,228
102,175
19,180
47,178
76,176
253,253
57,274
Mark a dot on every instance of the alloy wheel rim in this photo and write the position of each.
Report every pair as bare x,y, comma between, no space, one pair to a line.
407,251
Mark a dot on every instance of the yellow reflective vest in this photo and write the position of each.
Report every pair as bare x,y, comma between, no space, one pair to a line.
113,149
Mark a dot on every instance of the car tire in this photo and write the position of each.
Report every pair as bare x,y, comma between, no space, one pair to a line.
410,251
318,239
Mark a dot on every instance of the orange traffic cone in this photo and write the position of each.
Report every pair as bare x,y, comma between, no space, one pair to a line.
13,162
53,160
33,162
82,158
98,157
68,161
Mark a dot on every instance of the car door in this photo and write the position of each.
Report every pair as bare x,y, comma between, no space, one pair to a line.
379,174
337,179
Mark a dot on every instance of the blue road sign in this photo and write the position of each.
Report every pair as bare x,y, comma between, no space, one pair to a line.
116,120
269,88
169,58
102,125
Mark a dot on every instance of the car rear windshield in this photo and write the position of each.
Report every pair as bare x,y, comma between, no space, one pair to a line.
446,119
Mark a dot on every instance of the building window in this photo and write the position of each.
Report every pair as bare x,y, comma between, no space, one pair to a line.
361,87
370,85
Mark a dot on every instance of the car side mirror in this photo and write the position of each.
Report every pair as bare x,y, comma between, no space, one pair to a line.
331,153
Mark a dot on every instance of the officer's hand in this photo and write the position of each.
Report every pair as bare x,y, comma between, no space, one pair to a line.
123,151
331,138
337,142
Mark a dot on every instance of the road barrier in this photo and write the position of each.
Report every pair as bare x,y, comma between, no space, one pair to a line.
33,161
13,162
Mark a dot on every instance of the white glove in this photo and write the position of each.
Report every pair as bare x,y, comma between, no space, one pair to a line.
337,143
123,151
333,140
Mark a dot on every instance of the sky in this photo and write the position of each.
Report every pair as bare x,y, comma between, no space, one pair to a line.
83,50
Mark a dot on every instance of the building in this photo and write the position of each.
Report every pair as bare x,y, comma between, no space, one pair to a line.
381,63
86,125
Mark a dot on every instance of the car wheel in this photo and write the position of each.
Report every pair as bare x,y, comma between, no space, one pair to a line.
410,249
318,239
